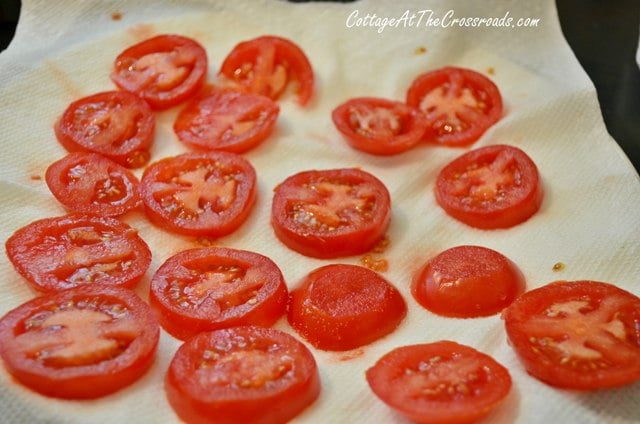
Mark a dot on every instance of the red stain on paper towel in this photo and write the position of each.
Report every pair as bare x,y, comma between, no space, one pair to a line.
141,31
61,78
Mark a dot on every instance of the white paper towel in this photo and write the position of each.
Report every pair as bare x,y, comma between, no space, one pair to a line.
590,219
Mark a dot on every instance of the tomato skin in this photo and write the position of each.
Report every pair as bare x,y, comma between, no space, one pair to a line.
125,140
196,402
86,381
386,380
342,307
271,299
620,359
126,77
516,206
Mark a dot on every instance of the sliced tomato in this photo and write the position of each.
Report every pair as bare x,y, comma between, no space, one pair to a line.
199,193
439,383
266,65
580,335
90,183
242,375
226,120
379,126
342,307
164,70
331,213
55,254
84,342
115,124
490,187
459,104
467,282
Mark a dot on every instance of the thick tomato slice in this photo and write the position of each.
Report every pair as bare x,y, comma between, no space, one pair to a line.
460,104
467,282
115,124
164,70
199,193
78,249
84,342
242,375
207,289
226,120
90,183
439,383
342,307
379,126
491,187
581,335
331,213
266,65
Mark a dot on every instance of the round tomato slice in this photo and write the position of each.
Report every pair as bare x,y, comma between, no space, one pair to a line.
226,120
164,70
242,375
439,383
379,126
80,343
207,289
331,213
199,193
266,65
90,183
55,254
115,124
460,104
581,335
468,282
342,307
491,187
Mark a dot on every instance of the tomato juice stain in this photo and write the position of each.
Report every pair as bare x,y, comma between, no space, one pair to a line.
420,50
116,16
558,266
141,31
61,77
350,355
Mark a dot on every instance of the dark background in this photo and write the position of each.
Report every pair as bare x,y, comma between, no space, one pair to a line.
603,35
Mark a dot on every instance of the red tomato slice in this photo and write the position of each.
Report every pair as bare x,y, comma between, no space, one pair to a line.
266,65
342,307
468,282
164,70
491,187
55,254
207,289
242,375
115,124
84,342
379,126
331,213
439,383
199,193
580,335
226,120
460,104
90,183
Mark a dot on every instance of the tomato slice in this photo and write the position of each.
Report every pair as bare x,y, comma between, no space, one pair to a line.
84,342
241,375
379,126
226,120
164,70
439,383
207,289
331,213
460,104
266,65
580,335
468,282
199,193
90,183
490,187
342,307
55,254
115,124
